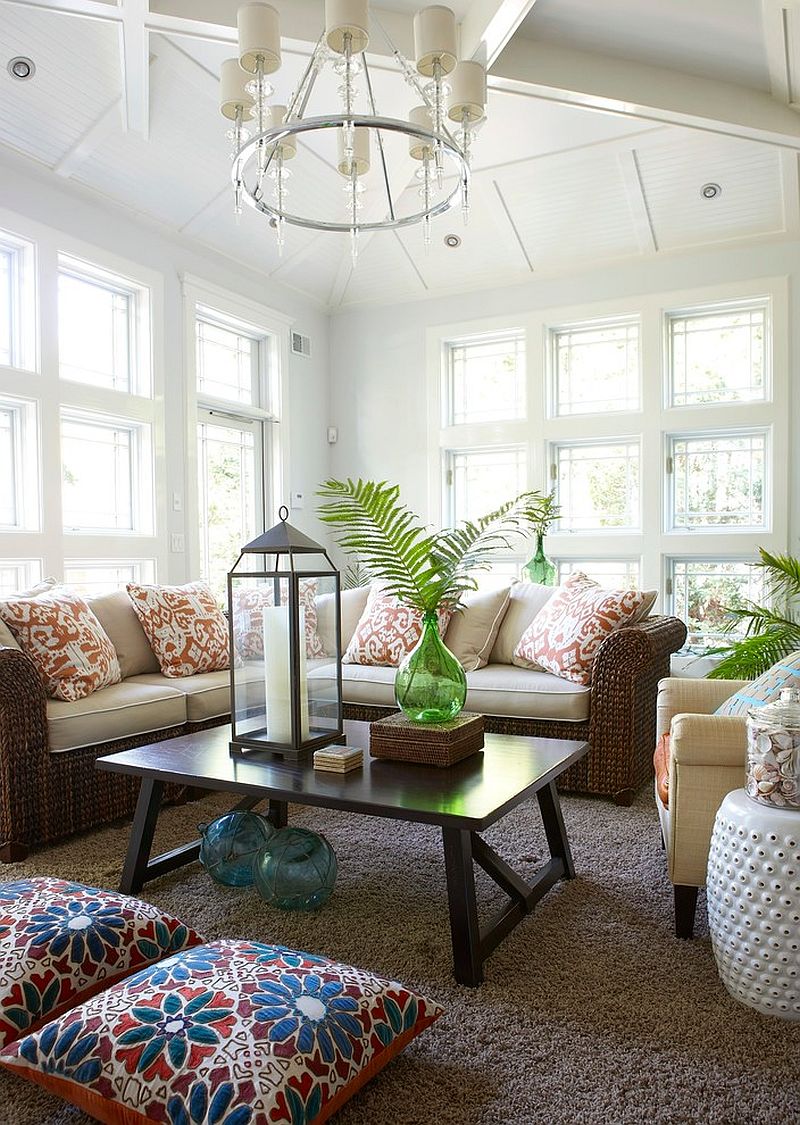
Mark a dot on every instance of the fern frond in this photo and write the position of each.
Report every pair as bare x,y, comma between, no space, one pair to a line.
782,573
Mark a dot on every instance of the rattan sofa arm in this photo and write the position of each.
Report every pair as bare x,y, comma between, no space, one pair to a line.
24,746
630,654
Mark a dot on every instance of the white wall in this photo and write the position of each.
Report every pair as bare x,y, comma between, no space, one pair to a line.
378,355
33,192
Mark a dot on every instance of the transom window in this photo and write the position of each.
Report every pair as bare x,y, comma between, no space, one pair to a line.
6,303
704,589
485,378
718,480
596,368
97,329
103,576
17,302
597,484
19,574
19,468
611,574
480,480
228,358
718,354
105,484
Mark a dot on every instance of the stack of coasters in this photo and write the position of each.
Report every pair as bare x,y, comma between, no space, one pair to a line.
338,759
428,744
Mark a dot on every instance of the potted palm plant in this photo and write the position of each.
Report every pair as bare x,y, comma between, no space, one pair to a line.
772,631
426,570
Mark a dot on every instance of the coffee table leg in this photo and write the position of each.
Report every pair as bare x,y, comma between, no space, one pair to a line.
555,829
141,839
464,928
279,813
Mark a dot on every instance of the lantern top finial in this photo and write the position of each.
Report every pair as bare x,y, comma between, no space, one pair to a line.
283,513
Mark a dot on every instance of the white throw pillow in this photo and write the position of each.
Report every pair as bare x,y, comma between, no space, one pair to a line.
526,600
473,629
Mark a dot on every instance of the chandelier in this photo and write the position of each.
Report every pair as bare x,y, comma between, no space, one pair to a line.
340,141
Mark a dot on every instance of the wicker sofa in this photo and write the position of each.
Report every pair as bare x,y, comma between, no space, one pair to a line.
50,788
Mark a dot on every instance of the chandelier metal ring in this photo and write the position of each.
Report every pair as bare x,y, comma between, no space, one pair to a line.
274,135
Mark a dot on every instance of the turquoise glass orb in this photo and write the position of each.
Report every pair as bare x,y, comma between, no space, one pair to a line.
295,870
229,845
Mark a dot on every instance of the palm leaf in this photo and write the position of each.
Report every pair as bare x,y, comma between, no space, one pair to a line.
782,575
753,655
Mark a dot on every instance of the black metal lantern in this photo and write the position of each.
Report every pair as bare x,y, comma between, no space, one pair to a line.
285,631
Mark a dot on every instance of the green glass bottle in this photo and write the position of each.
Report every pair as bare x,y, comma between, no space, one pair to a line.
540,569
430,685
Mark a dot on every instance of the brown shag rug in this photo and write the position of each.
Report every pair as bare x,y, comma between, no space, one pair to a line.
592,1011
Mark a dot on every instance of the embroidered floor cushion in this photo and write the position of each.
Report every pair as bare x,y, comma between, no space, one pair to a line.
766,689
56,628
248,618
387,631
233,1032
185,626
60,942
565,635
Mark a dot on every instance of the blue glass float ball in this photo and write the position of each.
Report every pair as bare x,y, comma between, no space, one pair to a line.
230,844
296,870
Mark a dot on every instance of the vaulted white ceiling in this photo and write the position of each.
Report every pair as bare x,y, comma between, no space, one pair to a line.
604,121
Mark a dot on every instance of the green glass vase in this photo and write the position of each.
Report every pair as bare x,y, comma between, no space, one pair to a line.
430,685
540,569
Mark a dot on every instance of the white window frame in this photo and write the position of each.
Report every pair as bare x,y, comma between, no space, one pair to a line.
656,418
144,570
671,526
23,312
621,439
670,562
29,571
273,415
448,398
139,321
27,475
552,362
566,566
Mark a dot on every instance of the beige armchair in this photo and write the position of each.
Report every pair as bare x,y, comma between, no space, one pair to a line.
707,755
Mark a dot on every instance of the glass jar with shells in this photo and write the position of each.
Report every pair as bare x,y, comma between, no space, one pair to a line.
773,752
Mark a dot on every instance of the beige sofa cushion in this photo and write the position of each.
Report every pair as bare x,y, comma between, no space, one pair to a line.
353,603
119,711
7,638
207,695
116,614
526,600
473,629
495,690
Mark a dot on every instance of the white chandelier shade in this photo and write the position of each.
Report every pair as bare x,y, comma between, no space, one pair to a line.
266,137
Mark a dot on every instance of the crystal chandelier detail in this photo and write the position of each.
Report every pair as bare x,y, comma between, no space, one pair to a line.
438,130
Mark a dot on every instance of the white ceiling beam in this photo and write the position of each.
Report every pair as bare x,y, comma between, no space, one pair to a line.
108,123
781,22
790,185
488,26
135,63
597,82
89,9
637,202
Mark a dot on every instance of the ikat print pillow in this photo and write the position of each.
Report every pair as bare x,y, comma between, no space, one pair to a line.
387,631
185,626
248,607
565,635
60,942
56,628
233,1032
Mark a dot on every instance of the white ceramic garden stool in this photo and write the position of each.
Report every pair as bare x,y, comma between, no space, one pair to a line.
753,888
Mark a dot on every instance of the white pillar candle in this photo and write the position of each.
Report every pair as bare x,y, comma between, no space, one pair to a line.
343,17
259,37
435,39
277,675
232,94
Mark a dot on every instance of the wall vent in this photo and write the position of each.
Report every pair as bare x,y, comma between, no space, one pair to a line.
301,345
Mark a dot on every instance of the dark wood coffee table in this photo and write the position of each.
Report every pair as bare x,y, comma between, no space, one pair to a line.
463,800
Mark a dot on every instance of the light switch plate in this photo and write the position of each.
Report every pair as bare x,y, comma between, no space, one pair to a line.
297,500
176,543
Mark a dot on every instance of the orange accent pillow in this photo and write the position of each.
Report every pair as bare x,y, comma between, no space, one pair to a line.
387,631
185,626
565,635
661,766
248,616
65,640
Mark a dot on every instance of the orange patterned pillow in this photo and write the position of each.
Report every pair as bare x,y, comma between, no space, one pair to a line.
65,640
185,626
248,615
387,631
565,635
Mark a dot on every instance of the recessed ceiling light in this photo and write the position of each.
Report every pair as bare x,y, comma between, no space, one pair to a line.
710,191
452,241
22,68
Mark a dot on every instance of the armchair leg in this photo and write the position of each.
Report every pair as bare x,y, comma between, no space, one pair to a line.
685,905
13,853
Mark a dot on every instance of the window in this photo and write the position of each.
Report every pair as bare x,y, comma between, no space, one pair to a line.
19,469
231,504
7,303
596,368
718,480
480,480
597,485
718,354
486,378
97,329
97,576
19,574
611,574
227,361
106,485
17,301
704,589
